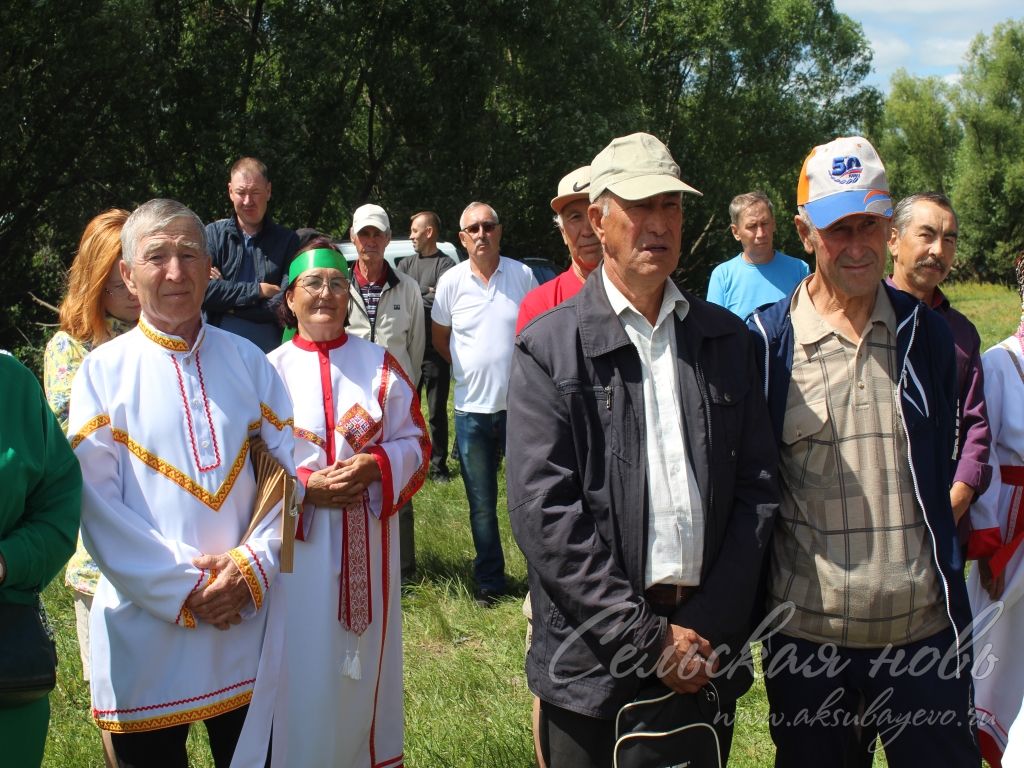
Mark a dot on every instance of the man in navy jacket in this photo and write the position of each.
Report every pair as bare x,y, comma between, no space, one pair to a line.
864,570
641,481
250,255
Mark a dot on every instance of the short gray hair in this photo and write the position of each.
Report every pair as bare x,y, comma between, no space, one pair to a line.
806,219
904,209
152,217
740,203
478,204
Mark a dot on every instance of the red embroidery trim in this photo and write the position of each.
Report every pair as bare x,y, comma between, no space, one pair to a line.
188,416
385,547
202,573
266,582
191,700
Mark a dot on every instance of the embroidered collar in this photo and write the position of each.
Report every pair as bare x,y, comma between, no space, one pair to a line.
319,346
168,341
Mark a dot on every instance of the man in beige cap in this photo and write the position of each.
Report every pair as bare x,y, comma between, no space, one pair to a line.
641,487
385,307
570,207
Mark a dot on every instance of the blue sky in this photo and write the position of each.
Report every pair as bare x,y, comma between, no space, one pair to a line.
925,37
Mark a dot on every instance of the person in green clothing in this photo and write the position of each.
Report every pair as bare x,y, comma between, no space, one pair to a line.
39,514
97,308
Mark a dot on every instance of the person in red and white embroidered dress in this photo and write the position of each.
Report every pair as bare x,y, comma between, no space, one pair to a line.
362,451
184,622
997,518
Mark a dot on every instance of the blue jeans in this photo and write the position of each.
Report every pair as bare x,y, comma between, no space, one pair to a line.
481,441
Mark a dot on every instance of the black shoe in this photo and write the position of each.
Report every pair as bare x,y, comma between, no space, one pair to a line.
487,598
440,476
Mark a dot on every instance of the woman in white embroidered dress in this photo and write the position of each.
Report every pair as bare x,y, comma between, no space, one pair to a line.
361,450
997,518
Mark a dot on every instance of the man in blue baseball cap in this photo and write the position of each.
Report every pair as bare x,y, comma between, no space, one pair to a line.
865,565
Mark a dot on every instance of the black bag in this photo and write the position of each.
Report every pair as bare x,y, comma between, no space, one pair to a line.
663,729
28,657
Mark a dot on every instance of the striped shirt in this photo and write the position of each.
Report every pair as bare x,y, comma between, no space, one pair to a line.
370,292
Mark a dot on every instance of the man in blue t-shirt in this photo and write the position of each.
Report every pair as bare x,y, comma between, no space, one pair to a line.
759,274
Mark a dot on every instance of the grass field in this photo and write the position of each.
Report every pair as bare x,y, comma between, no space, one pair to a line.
467,703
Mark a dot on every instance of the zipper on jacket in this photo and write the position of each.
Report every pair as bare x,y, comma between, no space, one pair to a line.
608,398
917,490
764,335
705,397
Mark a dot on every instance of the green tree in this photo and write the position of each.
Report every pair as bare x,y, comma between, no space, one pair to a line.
989,185
409,104
919,135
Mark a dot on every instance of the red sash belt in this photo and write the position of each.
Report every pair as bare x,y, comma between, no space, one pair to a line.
1015,519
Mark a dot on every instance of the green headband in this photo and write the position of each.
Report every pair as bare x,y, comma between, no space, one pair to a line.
324,258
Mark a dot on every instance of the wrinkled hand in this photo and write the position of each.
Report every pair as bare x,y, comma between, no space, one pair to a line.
993,585
960,497
221,602
687,660
215,274
269,290
344,482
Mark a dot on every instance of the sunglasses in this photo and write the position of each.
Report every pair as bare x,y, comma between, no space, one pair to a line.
476,226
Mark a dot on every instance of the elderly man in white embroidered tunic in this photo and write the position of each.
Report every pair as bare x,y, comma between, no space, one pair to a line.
162,419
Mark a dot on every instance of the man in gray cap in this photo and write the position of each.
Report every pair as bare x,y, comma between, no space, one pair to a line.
641,485
385,307
570,207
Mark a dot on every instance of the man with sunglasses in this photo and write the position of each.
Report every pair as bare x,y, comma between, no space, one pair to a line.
473,324
385,307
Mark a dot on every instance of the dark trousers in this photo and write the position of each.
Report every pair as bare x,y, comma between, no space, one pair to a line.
436,380
571,740
407,540
165,747
827,704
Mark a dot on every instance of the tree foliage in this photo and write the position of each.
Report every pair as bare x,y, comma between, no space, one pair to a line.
413,105
967,140
919,136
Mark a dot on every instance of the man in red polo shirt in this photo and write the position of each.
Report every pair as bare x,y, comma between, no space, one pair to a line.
570,209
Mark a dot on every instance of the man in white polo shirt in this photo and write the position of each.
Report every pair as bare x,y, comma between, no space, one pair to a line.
473,325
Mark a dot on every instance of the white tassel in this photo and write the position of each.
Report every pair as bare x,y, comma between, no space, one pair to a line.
356,669
346,665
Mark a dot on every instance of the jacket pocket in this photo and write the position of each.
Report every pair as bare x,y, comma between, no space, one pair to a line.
727,398
599,416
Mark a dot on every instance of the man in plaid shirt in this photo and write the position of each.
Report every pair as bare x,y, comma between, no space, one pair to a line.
864,579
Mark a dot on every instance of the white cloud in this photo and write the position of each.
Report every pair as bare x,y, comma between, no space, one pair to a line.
891,52
943,52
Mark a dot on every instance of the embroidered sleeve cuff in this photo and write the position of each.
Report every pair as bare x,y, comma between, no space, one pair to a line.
387,504
249,564
185,617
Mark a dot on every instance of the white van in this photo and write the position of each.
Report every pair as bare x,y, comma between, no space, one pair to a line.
398,250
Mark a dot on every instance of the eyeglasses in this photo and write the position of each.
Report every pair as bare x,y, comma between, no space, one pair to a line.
116,290
476,226
314,286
